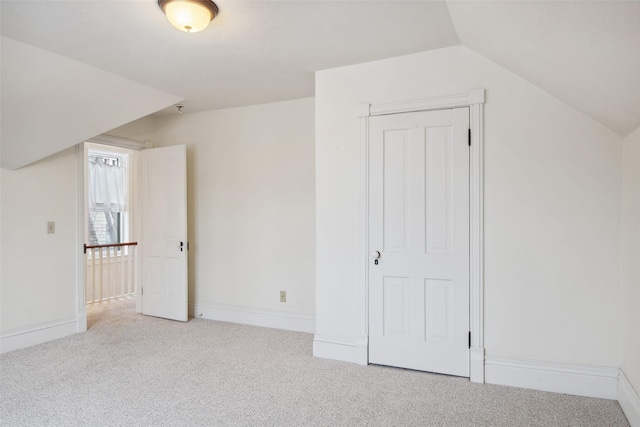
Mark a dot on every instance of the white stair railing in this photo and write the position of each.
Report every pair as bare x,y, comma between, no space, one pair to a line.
110,271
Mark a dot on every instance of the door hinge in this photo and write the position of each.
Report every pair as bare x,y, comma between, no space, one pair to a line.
469,135
469,339
187,245
141,291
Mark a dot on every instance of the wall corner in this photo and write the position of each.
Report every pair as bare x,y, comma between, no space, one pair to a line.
628,399
353,350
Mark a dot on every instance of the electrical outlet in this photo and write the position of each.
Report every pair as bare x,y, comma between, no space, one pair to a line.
283,296
51,227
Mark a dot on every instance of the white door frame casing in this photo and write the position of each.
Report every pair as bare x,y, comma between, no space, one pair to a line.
475,101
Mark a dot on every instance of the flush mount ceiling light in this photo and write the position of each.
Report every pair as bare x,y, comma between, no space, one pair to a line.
189,16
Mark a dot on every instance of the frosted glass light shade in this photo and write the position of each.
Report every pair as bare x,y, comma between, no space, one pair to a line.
190,16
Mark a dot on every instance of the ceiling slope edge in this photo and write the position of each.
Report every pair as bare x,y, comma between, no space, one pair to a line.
50,103
546,92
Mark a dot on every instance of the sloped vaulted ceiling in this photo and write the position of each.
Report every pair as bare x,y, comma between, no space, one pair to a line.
585,53
50,103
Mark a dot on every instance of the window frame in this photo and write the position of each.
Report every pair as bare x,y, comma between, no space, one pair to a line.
127,158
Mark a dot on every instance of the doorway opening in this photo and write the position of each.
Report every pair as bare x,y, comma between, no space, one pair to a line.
110,248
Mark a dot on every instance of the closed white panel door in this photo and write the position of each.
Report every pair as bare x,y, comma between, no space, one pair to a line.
163,243
419,241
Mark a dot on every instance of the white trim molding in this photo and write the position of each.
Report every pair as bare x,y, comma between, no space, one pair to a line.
475,97
251,316
81,317
476,364
474,100
37,334
343,349
629,400
579,380
476,236
116,141
81,176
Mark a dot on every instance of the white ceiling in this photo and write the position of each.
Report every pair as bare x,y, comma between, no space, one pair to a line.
253,52
585,53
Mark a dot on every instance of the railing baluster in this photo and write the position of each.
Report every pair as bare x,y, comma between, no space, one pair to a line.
122,288
109,267
118,267
93,275
135,270
100,275
130,260
129,282
125,270
87,290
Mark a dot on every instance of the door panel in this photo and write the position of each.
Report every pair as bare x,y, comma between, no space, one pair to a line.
419,221
163,196
395,302
439,200
438,306
396,210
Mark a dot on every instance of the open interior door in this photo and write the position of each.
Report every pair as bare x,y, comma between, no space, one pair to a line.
163,242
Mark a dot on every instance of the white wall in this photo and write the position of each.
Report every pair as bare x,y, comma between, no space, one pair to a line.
38,276
630,254
552,207
251,211
142,130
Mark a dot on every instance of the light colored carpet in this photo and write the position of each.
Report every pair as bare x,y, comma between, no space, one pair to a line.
129,369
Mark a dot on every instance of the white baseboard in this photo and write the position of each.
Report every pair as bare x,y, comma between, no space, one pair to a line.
344,349
476,364
256,317
579,380
82,321
38,334
628,399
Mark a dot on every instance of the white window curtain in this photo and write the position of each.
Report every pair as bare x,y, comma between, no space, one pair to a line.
106,186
